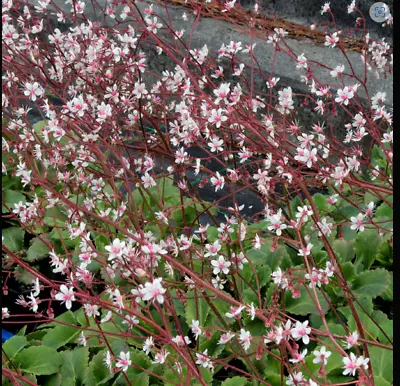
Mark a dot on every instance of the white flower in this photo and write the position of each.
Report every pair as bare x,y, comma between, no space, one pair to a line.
301,331
351,365
305,251
235,312
351,7
212,249
279,279
161,216
66,295
180,340
298,357
257,242
331,40
108,360
115,250
344,95
245,339
303,213
225,338
82,340
326,228
161,357
107,317
325,8
352,340
216,144
148,345
388,138
217,117
301,61
33,90
321,355
152,25
180,156
153,291
195,328
295,379
220,265
217,282
218,182
222,92
276,224
148,181
4,313
251,311
204,360
357,222
272,82
338,71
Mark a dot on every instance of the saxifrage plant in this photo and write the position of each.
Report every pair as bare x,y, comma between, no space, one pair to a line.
104,210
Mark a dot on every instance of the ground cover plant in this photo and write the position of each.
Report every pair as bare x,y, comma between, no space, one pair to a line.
126,269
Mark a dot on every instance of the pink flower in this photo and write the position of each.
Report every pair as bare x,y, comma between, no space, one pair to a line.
66,295
344,95
124,361
218,182
220,265
357,222
195,328
321,356
331,40
225,338
352,340
153,291
33,90
245,339
161,357
301,331
217,117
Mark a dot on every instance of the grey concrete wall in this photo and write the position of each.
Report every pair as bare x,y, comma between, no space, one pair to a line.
307,12
214,32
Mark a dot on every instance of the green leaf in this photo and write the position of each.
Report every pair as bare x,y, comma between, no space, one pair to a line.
381,381
384,210
196,307
39,360
38,126
13,238
306,303
67,317
321,203
135,379
366,317
140,359
53,380
348,271
387,327
344,249
235,381
11,197
385,254
273,370
75,364
382,362
97,372
14,345
371,283
264,256
37,250
22,331
367,246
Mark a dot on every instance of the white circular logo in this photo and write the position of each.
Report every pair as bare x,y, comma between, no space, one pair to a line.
379,12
